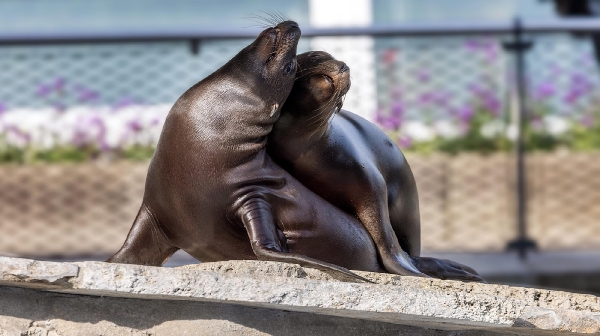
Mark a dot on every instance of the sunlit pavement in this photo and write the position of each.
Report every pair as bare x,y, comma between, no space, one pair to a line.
577,271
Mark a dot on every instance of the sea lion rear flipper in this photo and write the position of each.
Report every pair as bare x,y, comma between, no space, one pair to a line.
447,269
257,218
146,244
373,212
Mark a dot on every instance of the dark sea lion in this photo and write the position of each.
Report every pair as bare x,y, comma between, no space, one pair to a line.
213,191
350,162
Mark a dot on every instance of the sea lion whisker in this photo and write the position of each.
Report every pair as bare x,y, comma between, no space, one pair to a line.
323,122
307,74
268,21
320,114
282,16
285,17
259,23
320,110
272,16
275,15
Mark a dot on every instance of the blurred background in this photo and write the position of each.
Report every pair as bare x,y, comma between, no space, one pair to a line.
495,103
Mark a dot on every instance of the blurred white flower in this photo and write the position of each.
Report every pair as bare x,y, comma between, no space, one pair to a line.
418,131
492,129
556,125
512,131
446,129
102,126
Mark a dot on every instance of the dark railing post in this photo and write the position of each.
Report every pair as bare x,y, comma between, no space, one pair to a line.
195,46
518,47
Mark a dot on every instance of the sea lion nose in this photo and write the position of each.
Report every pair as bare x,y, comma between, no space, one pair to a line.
290,24
344,68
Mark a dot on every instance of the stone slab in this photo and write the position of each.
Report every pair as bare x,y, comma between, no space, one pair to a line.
428,303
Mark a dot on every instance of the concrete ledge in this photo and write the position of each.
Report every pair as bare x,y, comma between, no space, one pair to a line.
400,305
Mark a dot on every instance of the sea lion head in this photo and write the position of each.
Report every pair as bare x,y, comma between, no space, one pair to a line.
320,87
271,58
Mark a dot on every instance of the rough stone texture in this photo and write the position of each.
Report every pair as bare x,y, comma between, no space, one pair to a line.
408,301
45,273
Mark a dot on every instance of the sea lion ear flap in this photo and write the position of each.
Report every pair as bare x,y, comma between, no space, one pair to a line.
320,87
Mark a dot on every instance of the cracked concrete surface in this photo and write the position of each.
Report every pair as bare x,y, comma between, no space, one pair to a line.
256,298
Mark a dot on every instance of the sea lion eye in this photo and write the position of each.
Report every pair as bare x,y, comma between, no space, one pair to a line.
289,68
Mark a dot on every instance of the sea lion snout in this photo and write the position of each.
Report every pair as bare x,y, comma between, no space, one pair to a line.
289,27
344,67
288,35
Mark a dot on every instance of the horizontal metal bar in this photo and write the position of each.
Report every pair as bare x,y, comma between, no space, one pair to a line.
399,30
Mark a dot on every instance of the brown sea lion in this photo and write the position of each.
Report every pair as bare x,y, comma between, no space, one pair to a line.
350,162
213,191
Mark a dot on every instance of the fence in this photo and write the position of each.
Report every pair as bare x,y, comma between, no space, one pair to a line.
498,120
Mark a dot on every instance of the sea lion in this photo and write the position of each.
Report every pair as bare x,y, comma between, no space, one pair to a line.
351,163
213,191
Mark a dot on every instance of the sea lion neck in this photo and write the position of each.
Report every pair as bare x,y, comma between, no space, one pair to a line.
296,134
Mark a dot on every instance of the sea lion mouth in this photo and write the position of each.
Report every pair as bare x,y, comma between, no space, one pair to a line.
287,35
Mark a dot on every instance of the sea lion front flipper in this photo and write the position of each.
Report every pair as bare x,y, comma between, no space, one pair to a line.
258,220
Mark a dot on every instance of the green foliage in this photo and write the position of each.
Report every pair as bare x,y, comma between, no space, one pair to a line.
65,154
580,138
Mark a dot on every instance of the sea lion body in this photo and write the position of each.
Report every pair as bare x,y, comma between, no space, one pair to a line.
351,163
213,191
366,167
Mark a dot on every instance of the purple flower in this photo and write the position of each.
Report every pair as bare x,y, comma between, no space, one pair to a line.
439,98
588,121
423,76
101,137
86,95
580,86
544,90
472,45
124,102
487,97
491,52
404,142
396,93
388,122
16,131
477,89
135,126
79,139
397,109
580,81
487,48
442,98
43,90
59,84
426,98
492,104
465,114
